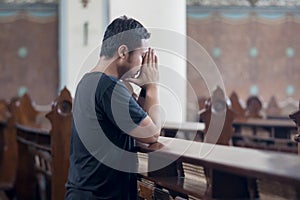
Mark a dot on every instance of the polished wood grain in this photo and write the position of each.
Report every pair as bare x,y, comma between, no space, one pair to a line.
242,161
237,173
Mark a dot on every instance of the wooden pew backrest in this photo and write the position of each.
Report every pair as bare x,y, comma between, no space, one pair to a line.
296,118
218,109
61,121
4,112
9,161
26,114
239,111
28,123
273,108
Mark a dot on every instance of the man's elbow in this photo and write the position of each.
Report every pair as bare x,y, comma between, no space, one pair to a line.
147,131
155,138
149,140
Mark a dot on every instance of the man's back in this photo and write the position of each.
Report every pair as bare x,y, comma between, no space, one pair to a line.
98,136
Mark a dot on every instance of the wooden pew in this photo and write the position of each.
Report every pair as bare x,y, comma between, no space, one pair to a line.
61,120
9,151
201,102
32,129
174,180
273,111
44,160
42,169
278,136
218,110
192,131
184,179
3,120
296,117
4,112
275,175
253,131
239,111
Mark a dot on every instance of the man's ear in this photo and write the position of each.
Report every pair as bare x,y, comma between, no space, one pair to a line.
122,51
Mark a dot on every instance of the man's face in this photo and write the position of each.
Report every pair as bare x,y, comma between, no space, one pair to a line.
135,58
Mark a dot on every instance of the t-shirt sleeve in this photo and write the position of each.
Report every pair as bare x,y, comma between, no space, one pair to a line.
121,108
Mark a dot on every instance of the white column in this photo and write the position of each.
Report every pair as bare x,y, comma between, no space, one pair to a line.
166,20
73,50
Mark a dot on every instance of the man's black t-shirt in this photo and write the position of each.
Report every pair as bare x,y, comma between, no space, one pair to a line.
102,154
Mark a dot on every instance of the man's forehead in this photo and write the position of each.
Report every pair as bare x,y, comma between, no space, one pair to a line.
143,47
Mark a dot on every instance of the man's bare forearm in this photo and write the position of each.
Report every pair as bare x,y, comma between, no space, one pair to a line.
152,106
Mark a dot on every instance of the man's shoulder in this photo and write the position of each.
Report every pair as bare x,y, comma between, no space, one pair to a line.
100,79
109,84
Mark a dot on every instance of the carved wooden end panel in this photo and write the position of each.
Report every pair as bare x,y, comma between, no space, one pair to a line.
23,111
273,108
222,116
296,117
61,121
23,114
239,111
9,156
218,117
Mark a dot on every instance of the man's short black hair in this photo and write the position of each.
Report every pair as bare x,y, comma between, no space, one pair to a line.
123,31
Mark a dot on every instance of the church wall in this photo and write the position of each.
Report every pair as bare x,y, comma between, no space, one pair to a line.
255,50
28,48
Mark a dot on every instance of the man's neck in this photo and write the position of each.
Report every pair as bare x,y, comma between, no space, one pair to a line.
107,66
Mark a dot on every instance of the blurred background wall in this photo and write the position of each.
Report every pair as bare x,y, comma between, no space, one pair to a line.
48,44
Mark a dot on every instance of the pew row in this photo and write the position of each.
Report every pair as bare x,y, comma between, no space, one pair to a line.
248,131
267,134
236,173
26,122
42,148
270,131
254,107
61,120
